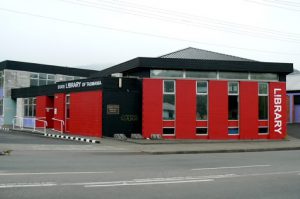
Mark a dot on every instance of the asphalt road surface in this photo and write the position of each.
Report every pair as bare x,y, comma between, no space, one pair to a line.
48,174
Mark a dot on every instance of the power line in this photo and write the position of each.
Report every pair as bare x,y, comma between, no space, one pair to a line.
276,5
137,33
182,19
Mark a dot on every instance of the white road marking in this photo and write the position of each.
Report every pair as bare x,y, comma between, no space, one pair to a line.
132,183
18,185
151,180
233,167
147,181
55,173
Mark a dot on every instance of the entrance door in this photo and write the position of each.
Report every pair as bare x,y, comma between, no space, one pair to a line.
50,111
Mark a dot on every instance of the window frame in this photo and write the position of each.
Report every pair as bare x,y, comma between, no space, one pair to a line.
171,94
202,127
67,106
202,94
168,134
265,95
238,100
30,103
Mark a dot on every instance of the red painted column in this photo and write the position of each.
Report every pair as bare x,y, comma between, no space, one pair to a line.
152,107
185,109
86,113
59,110
40,109
218,110
248,110
277,110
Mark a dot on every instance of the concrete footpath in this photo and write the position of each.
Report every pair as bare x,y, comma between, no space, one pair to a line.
292,142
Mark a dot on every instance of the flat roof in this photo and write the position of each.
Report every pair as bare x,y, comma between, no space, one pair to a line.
44,68
141,63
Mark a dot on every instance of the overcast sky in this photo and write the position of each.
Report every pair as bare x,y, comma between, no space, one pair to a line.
100,33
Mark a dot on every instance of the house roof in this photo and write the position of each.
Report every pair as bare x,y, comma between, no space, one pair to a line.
44,68
195,53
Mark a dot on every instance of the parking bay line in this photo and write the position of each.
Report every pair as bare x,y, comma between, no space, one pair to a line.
232,167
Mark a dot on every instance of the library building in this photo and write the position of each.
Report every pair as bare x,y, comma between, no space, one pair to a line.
186,94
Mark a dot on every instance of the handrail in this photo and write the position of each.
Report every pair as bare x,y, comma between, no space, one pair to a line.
40,120
15,120
62,123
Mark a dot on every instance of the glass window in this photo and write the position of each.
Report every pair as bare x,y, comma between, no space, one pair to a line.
42,82
166,73
263,107
30,107
233,75
169,100
263,88
168,131
233,131
263,101
202,74
34,82
43,76
169,86
40,79
169,107
34,75
233,107
201,101
233,100
264,76
201,131
201,107
67,106
202,87
50,82
263,130
51,77
233,88
69,78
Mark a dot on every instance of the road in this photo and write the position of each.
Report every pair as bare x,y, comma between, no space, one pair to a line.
45,173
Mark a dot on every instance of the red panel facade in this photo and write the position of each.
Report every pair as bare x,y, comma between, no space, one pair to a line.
218,110
44,110
152,107
59,110
248,110
86,113
277,110
185,109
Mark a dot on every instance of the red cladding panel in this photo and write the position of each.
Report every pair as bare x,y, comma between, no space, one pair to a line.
86,113
167,123
248,110
152,107
277,107
218,110
185,109
44,110
59,106
40,109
